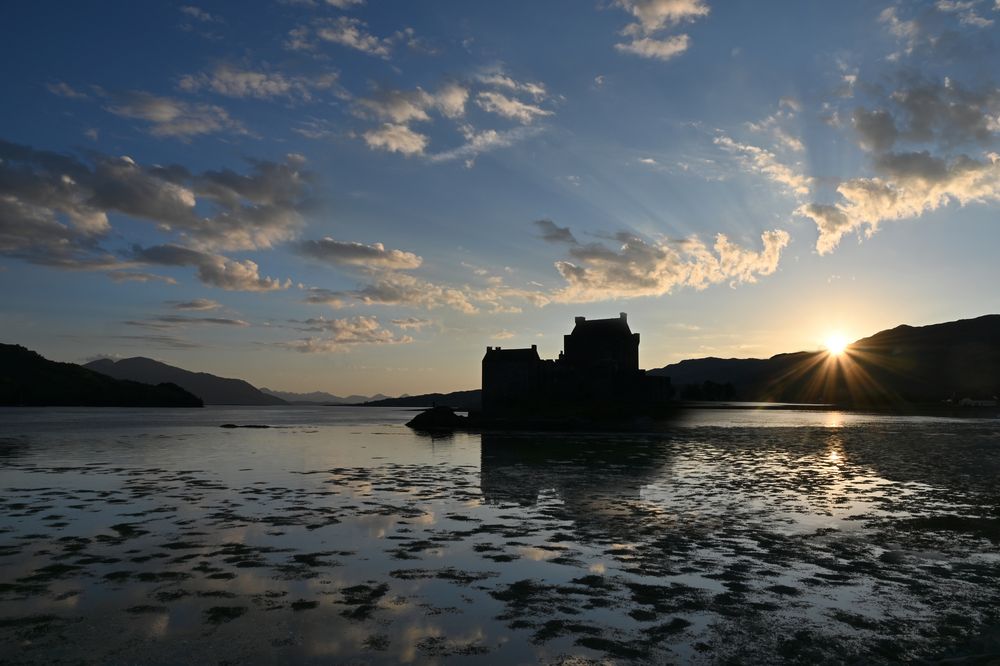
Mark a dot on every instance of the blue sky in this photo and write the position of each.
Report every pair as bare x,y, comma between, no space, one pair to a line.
360,195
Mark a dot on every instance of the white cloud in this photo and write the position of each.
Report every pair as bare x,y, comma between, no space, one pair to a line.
199,14
62,89
403,106
661,49
401,289
764,162
507,107
237,82
914,183
653,17
775,125
138,276
640,267
396,139
478,142
411,323
174,118
213,269
197,304
344,31
342,334
907,183
498,79
451,99
54,209
358,254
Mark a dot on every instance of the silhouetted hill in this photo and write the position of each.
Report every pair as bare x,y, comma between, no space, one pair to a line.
321,397
211,389
460,400
27,378
903,365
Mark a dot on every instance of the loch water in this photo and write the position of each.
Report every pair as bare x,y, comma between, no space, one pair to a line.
338,535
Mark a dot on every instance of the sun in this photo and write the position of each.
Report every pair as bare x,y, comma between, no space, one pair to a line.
836,344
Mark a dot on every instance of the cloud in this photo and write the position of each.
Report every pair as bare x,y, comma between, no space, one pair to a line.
640,267
399,109
393,288
766,163
138,276
402,289
171,117
344,31
232,81
411,323
661,49
198,304
554,233
61,89
451,99
653,17
966,12
342,334
396,139
175,321
213,269
199,14
912,184
905,182
507,107
876,129
358,254
478,142
59,204
498,79
403,106
774,124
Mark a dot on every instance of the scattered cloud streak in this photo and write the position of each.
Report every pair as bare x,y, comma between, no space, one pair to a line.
343,334
348,253
652,19
643,267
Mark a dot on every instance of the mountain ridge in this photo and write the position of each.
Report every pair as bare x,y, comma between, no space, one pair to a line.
212,389
27,378
896,366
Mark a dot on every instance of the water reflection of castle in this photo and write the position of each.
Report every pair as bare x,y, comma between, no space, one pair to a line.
598,371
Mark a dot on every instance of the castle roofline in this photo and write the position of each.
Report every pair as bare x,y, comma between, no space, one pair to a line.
613,325
523,354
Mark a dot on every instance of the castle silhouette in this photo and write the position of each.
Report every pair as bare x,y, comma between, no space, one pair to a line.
596,374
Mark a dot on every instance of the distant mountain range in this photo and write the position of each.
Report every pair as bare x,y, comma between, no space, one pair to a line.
460,400
899,366
27,378
902,366
321,398
211,389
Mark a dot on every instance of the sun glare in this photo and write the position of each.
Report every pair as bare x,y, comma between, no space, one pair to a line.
836,344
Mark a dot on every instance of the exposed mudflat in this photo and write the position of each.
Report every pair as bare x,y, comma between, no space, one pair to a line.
356,541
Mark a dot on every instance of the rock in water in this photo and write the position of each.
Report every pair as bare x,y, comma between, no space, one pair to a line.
437,418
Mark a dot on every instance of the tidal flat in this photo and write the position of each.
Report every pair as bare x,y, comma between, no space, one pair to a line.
337,535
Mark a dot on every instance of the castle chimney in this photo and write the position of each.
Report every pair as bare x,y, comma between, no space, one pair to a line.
623,316
534,348
579,320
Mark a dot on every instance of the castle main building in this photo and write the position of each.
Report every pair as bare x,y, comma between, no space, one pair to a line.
596,373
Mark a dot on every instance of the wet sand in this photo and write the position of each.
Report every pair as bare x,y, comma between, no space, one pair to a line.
866,543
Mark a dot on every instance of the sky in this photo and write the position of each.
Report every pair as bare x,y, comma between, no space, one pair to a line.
358,196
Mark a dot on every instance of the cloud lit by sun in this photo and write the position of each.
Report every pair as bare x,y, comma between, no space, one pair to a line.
836,344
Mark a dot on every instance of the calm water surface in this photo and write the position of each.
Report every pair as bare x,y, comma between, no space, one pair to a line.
337,535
